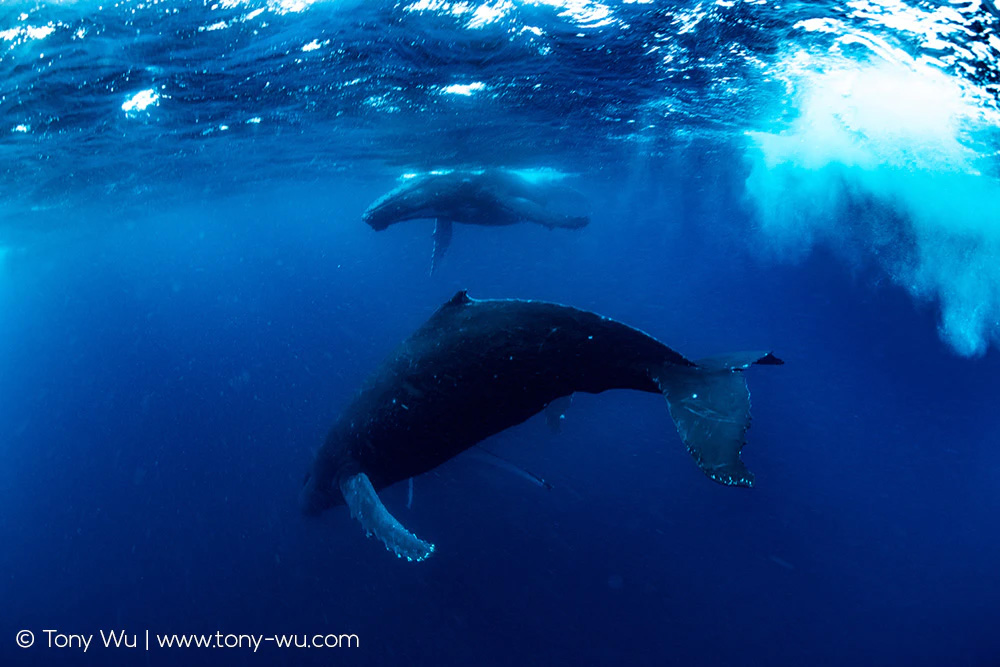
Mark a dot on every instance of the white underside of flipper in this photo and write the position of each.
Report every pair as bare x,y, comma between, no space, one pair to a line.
375,519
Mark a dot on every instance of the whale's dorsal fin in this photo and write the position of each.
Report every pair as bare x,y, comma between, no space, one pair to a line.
555,412
442,239
461,298
375,519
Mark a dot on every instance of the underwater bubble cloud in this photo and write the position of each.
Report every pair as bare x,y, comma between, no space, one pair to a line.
884,160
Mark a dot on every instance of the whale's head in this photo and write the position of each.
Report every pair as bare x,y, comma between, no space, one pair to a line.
418,197
317,497
321,486
393,207
380,215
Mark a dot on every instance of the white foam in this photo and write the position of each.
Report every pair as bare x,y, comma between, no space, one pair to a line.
883,161
466,89
141,101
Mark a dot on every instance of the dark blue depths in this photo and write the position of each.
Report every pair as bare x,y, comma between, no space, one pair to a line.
166,383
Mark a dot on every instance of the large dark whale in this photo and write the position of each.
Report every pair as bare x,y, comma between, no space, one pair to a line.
477,367
494,197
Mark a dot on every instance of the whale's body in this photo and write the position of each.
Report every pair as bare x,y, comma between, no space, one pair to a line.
477,367
492,198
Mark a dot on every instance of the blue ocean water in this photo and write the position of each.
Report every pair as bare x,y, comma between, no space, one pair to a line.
188,298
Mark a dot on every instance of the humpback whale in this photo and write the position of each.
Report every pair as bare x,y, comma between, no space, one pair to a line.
477,367
493,198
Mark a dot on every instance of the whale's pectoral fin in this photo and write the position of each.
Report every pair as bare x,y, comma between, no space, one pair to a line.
710,404
494,459
376,520
442,239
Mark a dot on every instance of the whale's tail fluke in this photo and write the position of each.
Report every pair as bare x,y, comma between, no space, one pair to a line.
375,519
710,404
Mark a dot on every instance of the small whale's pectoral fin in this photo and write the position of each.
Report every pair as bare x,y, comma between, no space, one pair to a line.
495,459
442,239
555,412
376,520
710,404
